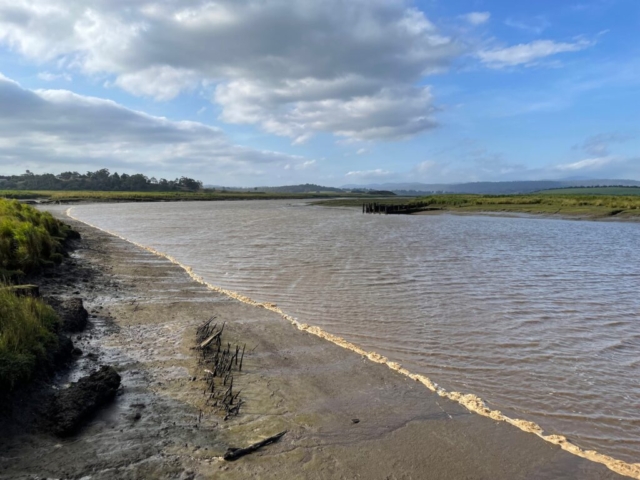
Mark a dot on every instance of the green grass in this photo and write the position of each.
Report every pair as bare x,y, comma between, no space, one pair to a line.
588,206
27,334
615,191
21,194
29,239
91,196
357,202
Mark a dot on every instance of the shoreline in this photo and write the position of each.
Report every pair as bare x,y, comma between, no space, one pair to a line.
624,209
534,216
294,381
503,214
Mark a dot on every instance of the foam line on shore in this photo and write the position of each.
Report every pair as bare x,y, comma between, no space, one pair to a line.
471,402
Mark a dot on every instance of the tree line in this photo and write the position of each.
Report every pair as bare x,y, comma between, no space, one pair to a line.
100,180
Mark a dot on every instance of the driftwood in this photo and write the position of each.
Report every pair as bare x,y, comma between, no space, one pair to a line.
23,290
235,453
210,339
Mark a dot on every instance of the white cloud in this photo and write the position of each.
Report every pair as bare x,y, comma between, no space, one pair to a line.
367,174
292,67
306,165
428,166
587,164
608,167
529,53
42,127
388,114
162,83
362,151
477,18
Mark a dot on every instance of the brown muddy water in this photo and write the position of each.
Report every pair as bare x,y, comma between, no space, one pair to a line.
539,317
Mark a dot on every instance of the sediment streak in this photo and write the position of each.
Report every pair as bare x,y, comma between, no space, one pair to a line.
471,402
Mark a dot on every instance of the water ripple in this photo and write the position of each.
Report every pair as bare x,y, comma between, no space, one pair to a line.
538,317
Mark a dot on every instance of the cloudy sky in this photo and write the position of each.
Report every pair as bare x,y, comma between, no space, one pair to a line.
273,92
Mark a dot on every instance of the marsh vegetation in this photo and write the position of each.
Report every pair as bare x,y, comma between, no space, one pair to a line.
52,196
27,337
593,206
29,241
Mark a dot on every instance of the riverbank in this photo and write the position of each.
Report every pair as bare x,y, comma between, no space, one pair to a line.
31,341
566,206
75,197
345,416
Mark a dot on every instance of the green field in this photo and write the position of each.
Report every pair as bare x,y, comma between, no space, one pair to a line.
615,191
577,206
91,196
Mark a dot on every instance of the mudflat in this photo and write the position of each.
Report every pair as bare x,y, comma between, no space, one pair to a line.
345,416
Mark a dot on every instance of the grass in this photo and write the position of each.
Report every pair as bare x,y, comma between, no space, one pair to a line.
91,196
616,191
29,239
589,206
27,334
20,194
357,202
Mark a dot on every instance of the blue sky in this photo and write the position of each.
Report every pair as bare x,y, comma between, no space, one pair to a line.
249,93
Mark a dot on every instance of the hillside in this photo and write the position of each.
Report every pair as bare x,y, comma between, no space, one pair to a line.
491,188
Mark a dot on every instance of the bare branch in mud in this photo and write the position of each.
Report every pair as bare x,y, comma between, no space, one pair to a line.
235,453
242,357
209,340
219,364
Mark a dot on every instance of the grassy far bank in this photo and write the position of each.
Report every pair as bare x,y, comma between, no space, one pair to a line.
589,206
90,196
593,191
29,240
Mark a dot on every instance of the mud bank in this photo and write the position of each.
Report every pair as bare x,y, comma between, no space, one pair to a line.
144,316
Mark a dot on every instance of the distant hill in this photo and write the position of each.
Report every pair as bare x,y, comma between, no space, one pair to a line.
306,188
609,190
491,188
303,188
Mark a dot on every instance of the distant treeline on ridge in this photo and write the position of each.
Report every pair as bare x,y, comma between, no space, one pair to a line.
100,180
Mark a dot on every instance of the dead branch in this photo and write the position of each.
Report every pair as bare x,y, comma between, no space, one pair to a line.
235,453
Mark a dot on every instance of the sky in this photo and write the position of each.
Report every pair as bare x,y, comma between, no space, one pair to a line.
333,92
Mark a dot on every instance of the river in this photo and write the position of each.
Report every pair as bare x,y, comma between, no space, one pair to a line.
539,317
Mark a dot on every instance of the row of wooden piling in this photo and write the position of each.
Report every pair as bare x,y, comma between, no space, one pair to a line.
219,363
383,209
